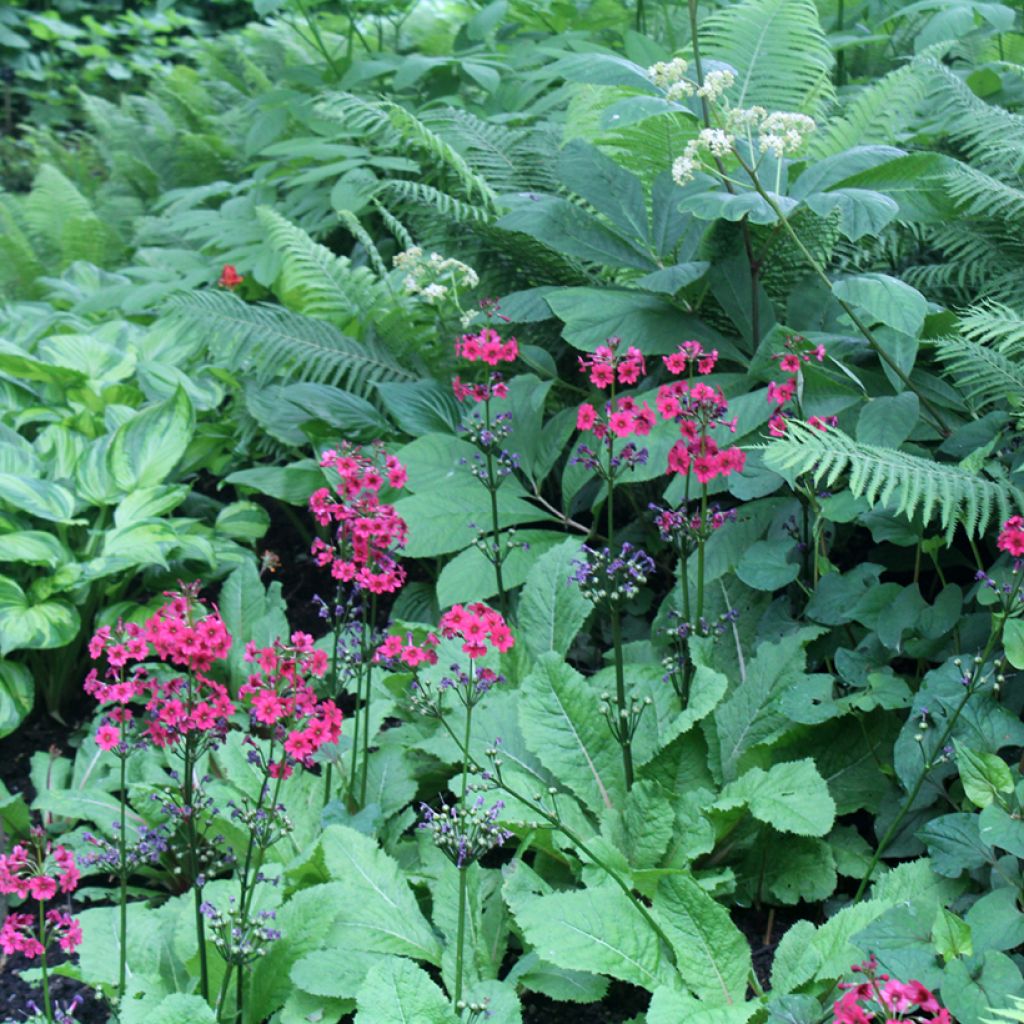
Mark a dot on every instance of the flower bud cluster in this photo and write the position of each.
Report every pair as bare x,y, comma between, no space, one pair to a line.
604,577
240,936
465,835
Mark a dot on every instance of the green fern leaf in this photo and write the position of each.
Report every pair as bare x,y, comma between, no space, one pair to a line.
904,484
782,58
273,343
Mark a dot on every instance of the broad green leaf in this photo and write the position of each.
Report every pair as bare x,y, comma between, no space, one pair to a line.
551,608
956,844
983,776
149,503
597,930
1013,642
736,206
283,410
969,993
888,421
24,625
951,935
381,913
324,973
670,1006
885,300
396,991
40,498
450,519
243,520
561,983
469,576
147,542
861,211
998,828
800,868
791,797
712,956
182,1009
767,565
292,484
562,724
822,175
606,185
147,447
570,229
33,547
420,407
17,695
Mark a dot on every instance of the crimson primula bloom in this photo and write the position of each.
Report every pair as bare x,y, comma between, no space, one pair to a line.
404,651
607,365
1011,537
184,633
477,625
366,530
488,347
281,698
879,999
229,277
782,394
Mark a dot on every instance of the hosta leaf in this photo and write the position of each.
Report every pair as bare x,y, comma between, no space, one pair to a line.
33,547
146,448
17,694
24,625
243,520
40,498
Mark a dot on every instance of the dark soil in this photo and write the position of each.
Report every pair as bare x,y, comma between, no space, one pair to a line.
623,1003
18,999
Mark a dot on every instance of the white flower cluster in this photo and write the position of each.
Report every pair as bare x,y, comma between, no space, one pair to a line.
671,76
433,276
779,132
783,132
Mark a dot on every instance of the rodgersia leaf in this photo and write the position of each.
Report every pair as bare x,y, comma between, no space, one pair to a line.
790,797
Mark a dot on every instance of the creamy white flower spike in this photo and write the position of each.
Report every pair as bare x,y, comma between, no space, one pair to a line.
683,169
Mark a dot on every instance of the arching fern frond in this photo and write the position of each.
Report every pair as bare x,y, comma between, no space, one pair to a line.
354,225
983,374
993,323
316,281
981,195
447,206
782,58
904,484
271,342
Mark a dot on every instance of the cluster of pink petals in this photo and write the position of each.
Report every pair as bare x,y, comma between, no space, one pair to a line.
627,418
494,388
27,874
487,347
1011,537
781,394
883,1000
705,459
280,696
404,650
366,530
606,365
691,354
477,625
18,934
184,633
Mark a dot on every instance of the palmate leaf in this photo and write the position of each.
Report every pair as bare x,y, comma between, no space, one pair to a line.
270,342
903,483
781,56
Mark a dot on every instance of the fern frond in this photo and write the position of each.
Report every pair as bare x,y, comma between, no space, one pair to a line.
981,195
394,225
455,210
271,342
994,323
904,484
315,281
782,58
353,224
983,374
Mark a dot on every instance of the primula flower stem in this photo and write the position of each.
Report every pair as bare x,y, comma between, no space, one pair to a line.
701,541
492,488
47,1003
460,935
122,851
367,650
620,697
188,796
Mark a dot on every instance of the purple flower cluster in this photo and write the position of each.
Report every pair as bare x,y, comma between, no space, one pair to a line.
465,836
602,576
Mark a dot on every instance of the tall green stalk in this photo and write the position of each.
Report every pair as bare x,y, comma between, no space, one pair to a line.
122,854
492,487
368,624
47,1001
192,839
460,934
